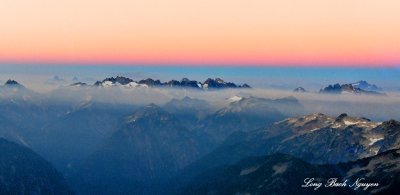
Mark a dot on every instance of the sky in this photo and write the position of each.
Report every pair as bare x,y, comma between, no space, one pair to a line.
362,33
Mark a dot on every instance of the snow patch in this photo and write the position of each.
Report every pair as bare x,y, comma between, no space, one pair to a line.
312,130
374,140
235,98
132,84
346,122
280,168
249,170
107,84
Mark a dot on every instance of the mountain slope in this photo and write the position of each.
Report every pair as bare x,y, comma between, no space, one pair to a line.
246,114
150,147
188,110
74,136
315,138
24,172
285,174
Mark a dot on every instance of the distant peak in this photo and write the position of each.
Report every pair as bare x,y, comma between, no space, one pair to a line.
299,90
360,87
12,83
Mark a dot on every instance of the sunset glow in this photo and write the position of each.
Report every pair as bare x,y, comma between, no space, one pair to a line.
227,32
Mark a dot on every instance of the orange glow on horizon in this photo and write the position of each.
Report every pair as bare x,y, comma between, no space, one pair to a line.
234,32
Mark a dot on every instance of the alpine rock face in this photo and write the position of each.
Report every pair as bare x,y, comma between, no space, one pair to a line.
315,138
339,139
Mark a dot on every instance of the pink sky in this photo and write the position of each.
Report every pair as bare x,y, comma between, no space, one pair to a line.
255,32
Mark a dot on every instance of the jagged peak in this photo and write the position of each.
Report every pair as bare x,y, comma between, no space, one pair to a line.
217,83
12,83
360,87
119,79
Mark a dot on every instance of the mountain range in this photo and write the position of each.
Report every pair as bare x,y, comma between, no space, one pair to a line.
185,82
314,138
360,87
